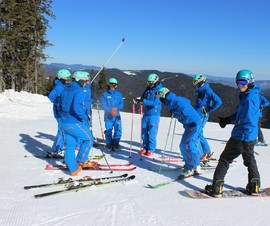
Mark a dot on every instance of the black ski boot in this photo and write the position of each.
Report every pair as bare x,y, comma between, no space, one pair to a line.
253,186
215,190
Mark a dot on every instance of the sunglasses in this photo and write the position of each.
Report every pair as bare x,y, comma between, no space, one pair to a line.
241,82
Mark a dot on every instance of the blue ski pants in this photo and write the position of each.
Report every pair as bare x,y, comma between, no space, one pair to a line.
149,132
189,148
113,138
59,141
73,133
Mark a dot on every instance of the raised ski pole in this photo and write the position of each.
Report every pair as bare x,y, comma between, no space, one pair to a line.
132,122
165,144
102,134
123,40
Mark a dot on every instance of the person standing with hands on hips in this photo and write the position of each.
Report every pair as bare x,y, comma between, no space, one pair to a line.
206,102
151,114
243,136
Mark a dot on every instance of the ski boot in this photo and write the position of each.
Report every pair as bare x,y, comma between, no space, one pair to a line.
253,186
215,190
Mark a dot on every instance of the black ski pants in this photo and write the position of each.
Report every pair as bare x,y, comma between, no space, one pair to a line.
232,150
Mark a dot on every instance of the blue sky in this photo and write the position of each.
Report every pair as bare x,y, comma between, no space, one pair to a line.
215,37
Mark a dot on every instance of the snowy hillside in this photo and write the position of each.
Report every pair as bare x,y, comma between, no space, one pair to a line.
27,127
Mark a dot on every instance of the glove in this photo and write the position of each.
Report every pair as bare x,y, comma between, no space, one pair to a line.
205,111
137,100
114,112
224,121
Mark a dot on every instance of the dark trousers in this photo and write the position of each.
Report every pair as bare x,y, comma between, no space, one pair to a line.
260,134
233,149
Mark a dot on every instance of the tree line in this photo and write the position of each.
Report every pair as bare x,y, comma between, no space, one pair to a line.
22,42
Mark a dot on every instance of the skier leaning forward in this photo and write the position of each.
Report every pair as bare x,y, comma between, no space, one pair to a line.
182,110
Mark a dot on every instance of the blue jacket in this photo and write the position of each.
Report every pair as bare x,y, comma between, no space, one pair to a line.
152,104
111,99
72,104
247,115
88,99
54,96
181,109
205,97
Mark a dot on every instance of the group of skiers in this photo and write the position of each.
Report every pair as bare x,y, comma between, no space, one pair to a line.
72,100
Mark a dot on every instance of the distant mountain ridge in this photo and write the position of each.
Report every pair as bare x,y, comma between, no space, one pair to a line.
132,83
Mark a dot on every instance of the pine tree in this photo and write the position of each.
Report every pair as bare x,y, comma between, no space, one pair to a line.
23,30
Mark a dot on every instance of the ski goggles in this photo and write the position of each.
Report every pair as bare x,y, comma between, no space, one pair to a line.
241,82
113,84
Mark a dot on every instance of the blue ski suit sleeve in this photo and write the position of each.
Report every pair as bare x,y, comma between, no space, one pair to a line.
87,98
264,103
54,96
207,98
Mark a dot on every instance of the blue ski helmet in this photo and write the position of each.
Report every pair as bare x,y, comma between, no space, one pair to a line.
161,93
199,79
153,78
81,75
63,74
245,75
112,81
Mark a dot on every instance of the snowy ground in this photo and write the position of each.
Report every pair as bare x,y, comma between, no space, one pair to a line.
28,127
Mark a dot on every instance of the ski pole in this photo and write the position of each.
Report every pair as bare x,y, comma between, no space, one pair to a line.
165,144
141,112
132,122
102,134
123,39
172,141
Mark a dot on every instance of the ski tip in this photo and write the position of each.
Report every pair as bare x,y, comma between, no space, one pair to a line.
150,186
132,177
125,175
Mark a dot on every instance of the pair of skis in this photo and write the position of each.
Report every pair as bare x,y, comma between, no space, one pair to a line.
80,184
110,167
95,157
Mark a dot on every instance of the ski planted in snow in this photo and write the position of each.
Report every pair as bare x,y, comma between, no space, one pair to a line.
81,186
239,193
68,181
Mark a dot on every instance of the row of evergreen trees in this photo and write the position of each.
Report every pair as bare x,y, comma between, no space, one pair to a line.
22,42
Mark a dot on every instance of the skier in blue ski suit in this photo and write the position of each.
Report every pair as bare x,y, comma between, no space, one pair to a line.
182,110
151,114
74,123
87,105
63,78
206,102
112,103
243,136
